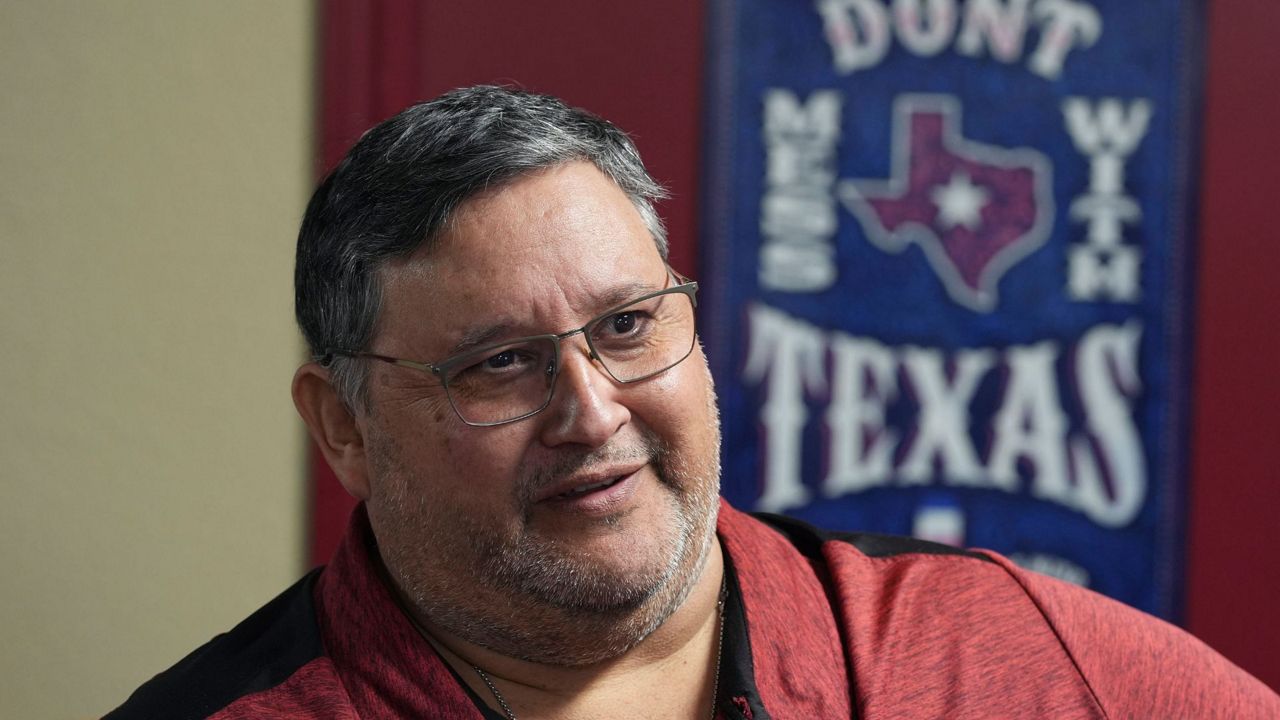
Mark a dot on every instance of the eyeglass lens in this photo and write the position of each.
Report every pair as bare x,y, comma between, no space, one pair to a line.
505,382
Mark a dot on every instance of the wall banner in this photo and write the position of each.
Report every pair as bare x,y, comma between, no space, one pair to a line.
945,258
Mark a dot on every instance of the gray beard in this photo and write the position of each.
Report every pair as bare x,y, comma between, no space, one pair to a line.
534,599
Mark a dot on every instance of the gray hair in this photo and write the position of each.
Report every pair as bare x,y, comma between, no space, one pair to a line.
397,187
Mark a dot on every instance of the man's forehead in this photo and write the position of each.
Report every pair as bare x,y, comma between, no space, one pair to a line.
541,254
429,274
477,332
452,317
462,304
514,224
526,196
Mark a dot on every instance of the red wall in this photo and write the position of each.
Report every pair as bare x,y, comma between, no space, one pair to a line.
640,64
1233,580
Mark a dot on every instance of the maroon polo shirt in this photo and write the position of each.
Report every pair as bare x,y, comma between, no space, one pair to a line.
817,625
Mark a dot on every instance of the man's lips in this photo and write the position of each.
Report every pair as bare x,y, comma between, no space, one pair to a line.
583,483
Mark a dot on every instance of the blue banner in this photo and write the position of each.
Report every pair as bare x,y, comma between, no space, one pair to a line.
946,252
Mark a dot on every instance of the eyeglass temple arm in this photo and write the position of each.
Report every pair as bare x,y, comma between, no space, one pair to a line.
326,359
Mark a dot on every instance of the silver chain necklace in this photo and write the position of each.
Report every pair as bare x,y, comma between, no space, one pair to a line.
715,684
506,709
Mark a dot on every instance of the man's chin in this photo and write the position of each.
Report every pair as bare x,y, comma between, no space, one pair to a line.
612,575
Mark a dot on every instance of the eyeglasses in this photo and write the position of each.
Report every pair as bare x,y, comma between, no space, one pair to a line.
515,379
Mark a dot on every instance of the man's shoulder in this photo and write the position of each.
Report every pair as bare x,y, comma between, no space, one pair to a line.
839,561
261,653
974,614
1135,661
809,540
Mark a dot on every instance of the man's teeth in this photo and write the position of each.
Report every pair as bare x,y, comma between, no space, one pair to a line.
589,487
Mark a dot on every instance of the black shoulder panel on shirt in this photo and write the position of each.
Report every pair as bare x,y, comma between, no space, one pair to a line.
809,540
258,654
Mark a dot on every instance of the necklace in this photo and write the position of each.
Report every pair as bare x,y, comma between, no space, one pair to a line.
506,709
715,683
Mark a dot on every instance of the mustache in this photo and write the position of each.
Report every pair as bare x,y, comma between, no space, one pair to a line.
532,480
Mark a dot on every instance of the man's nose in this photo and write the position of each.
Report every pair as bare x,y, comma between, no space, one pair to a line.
586,408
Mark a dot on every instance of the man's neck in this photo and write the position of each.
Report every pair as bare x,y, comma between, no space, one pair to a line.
671,673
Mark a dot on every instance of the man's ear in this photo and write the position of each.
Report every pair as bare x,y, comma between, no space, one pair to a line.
333,428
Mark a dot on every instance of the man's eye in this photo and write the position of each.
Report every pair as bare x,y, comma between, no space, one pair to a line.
628,326
501,360
622,323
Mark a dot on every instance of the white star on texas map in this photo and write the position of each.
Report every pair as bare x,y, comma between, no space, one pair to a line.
960,202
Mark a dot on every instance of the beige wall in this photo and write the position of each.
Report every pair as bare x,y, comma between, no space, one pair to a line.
154,160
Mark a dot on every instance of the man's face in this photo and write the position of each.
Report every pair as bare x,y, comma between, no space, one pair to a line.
473,522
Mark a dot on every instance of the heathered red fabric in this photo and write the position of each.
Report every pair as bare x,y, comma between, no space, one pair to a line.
817,626
801,669
950,635
312,692
1139,666
388,669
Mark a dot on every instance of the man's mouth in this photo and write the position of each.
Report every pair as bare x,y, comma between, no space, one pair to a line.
599,492
588,487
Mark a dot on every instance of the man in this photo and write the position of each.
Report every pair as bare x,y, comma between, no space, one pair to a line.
507,377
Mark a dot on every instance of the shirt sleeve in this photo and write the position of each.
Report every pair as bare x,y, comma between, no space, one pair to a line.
1138,665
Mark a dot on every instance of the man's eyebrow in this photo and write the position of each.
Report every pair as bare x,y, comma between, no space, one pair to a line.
476,337
615,296
622,293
